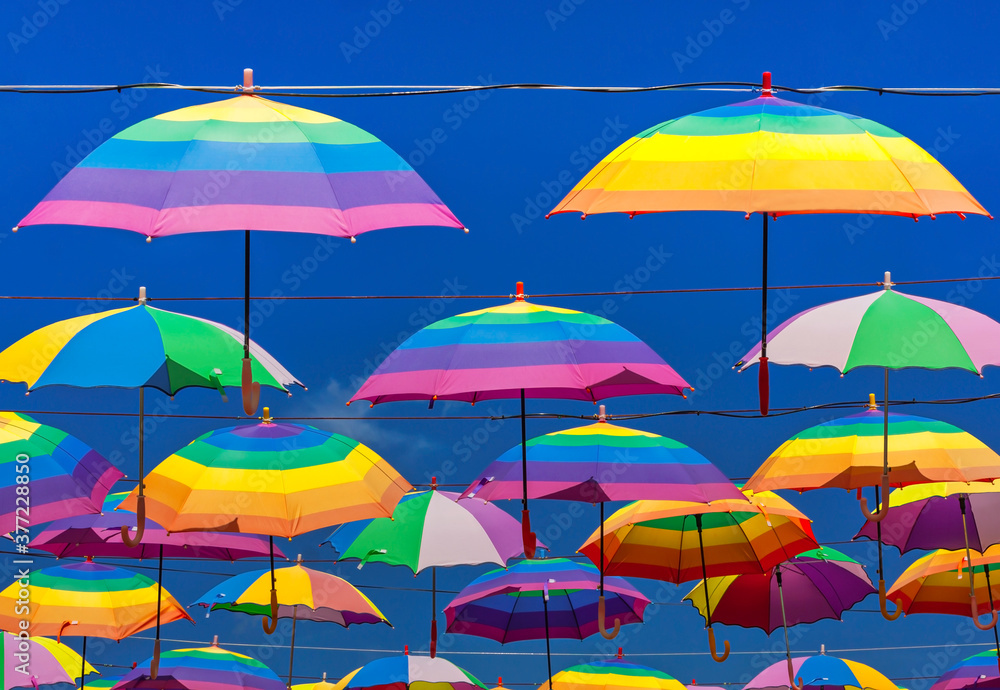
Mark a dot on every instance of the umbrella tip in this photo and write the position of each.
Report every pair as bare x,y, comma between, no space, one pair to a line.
215,640
324,676
406,650
248,79
15,228
519,291
887,284
872,405
267,419
602,415
142,295
765,83
434,483
822,650
620,654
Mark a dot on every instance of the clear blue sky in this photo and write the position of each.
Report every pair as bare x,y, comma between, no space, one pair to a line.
498,153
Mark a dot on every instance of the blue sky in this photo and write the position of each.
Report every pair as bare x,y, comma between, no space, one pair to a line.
499,159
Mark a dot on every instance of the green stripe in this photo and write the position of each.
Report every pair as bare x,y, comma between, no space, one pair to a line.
898,332
582,441
497,318
827,554
103,582
225,656
708,521
823,431
401,536
620,670
819,125
281,132
206,454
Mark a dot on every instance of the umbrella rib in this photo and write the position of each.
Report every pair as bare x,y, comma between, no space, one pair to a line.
510,617
576,619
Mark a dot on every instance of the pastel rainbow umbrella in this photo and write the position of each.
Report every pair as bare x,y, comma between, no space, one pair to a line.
89,600
407,672
540,599
679,541
612,674
207,668
976,671
304,594
66,476
603,462
137,347
821,672
812,586
520,350
773,157
940,582
40,661
431,529
244,163
272,478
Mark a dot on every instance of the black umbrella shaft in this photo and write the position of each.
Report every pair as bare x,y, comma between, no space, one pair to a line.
83,663
548,649
524,456
271,543
763,296
159,591
704,568
246,293
784,620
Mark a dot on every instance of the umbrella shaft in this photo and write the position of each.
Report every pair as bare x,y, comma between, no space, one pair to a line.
291,651
524,456
548,649
784,620
704,568
83,663
142,423
246,293
159,591
763,295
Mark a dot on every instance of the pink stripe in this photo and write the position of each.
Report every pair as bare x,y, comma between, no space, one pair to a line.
978,333
175,221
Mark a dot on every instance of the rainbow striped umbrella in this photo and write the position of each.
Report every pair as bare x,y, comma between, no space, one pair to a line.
208,668
679,541
409,673
612,674
977,671
821,672
296,170
270,478
39,661
67,477
773,157
520,349
103,683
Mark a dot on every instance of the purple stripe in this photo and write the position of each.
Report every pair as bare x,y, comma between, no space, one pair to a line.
164,189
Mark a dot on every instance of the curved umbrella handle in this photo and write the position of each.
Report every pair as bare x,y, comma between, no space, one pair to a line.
878,515
882,603
140,524
601,618
711,647
763,388
271,624
154,664
792,685
249,388
975,616
528,538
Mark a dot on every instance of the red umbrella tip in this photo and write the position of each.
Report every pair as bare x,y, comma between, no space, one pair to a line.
766,84
519,291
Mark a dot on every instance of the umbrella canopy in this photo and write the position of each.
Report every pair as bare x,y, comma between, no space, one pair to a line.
67,476
659,539
847,453
431,529
89,599
321,685
978,671
604,462
612,674
270,478
299,171
537,599
304,593
885,329
821,672
932,585
496,353
208,668
812,586
930,516
100,536
39,661
137,347
409,672
103,683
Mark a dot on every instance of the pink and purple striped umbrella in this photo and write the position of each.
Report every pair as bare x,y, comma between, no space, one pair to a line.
977,672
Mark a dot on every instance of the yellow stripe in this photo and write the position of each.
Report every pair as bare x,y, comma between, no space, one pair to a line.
247,109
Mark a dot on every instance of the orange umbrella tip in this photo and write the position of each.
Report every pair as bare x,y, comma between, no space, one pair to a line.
15,228
765,83
871,402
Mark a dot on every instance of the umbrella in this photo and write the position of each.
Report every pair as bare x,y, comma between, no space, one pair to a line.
936,583
101,536
409,672
271,478
809,587
612,674
136,347
937,515
822,673
34,661
504,605
773,157
89,600
103,683
977,671
429,529
890,330
67,476
296,170
321,685
207,668
305,594
603,462
520,350
656,539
